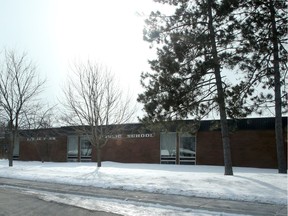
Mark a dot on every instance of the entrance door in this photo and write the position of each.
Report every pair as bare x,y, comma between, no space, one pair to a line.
187,150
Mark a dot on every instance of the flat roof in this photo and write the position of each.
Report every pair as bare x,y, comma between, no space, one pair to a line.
188,125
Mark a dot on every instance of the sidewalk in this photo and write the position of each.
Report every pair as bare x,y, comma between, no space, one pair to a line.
217,205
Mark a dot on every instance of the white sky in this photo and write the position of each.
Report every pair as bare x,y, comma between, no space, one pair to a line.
56,33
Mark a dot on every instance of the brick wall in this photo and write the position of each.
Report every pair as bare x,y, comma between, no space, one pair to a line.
44,150
253,148
250,148
132,150
3,148
209,150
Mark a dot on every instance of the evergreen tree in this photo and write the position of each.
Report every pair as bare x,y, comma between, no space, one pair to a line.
194,44
263,25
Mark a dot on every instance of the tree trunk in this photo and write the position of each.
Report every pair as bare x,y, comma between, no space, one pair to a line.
11,147
10,157
220,95
282,166
99,164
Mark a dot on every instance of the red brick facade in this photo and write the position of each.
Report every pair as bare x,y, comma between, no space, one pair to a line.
250,147
43,150
254,148
132,150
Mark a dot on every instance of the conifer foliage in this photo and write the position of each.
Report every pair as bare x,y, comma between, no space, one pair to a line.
193,45
263,26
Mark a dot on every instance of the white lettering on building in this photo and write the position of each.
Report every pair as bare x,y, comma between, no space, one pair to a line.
118,136
140,135
40,138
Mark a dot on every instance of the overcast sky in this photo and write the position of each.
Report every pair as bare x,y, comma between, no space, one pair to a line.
56,33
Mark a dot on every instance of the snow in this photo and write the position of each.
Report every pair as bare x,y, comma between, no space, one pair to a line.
124,207
247,184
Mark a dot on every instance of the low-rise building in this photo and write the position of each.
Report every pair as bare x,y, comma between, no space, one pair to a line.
252,144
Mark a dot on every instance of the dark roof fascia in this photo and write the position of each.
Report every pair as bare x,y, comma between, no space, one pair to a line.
266,123
40,132
124,128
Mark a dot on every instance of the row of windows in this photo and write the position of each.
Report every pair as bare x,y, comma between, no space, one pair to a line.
173,146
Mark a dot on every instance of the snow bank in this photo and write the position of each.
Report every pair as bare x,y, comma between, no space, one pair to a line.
247,184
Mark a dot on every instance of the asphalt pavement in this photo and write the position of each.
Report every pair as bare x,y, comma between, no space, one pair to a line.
216,205
15,203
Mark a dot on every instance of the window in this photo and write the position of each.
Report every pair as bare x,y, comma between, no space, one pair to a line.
86,149
16,149
187,150
72,148
168,148
175,150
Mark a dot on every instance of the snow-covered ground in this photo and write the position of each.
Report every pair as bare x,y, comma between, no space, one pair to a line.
124,207
247,184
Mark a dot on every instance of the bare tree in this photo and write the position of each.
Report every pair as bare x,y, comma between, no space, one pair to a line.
19,87
38,124
94,101
40,116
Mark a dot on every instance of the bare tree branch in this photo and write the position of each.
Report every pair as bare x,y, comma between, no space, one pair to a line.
19,88
94,101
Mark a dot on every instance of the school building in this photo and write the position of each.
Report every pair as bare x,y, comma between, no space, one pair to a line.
252,143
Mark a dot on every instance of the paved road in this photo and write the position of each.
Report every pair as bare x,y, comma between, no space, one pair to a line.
15,203
217,205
